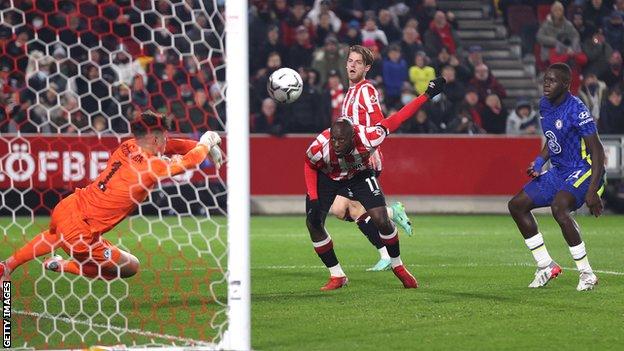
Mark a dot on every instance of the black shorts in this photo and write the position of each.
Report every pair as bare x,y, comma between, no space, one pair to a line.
364,188
345,192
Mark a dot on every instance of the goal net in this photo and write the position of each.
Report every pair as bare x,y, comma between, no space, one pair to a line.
73,76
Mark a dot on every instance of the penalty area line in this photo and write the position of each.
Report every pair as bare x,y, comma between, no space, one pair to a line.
115,328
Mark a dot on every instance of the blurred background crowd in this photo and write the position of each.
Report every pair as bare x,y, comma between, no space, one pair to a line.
91,66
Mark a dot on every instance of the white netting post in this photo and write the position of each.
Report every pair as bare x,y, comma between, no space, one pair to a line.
237,106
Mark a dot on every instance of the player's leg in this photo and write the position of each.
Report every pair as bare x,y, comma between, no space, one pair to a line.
368,228
366,189
100,259
321,240
537,193
40,245
570,198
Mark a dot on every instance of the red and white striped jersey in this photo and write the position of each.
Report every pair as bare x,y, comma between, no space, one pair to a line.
361,104
322,156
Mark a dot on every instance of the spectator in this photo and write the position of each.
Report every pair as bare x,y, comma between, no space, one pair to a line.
389,26
523,120
353,35
410,43
139,93
394,74
555,27
464,122
201,113
320,8
613,76
281,10
592,93
426,13
300,53
268,120
472,60
292,25
613,30
598,52
440,34
485,84
573,57
334,95
375,73
100,124
270,44
494,116
306,114
584,28
330,57
274,62
127,69
454,90
420,74
595,12
420,124
323,30
471,103
619,7
612,113
370,31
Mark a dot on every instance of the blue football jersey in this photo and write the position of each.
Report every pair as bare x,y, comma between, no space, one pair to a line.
564,127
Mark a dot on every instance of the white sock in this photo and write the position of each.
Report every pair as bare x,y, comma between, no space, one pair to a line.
390,211
383,253
538,249
580,257
396,261
336,271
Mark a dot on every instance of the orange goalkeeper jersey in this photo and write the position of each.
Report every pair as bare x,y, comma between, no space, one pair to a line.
129,176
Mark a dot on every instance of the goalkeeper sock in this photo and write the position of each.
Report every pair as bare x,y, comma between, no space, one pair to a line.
368,228
42,244
325,250
580,257
538,249
89,270
392,244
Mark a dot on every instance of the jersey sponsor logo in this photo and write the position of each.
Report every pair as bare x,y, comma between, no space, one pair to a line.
558,124
553,145
373,99
584,115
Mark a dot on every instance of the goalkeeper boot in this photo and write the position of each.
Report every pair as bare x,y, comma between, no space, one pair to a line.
587,281
399,217
381,265
408,280
335,283
4,273
545,274
53,263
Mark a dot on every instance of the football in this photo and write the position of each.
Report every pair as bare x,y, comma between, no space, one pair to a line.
285,85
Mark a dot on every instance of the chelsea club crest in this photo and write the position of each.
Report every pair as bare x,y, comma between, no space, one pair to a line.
558,124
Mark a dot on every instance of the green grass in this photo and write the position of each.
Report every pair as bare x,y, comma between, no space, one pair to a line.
473,272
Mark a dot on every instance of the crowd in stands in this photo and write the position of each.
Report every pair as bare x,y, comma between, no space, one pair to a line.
91,66
414,41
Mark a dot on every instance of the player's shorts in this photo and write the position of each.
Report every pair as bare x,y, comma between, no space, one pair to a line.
78,240
346,192
542,190
363,187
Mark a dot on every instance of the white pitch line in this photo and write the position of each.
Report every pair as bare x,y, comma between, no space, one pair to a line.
466,265
117,329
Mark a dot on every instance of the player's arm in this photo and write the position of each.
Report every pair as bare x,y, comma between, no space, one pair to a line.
596,150
179,146
393,122
535,167
162,168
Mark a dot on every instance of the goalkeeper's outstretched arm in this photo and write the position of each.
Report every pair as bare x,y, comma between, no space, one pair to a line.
208,144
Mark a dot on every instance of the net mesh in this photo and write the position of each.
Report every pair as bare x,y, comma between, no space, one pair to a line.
73,76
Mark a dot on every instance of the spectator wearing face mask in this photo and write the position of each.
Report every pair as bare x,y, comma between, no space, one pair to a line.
523,120
614,75
612,113
494,116
598,52
592,93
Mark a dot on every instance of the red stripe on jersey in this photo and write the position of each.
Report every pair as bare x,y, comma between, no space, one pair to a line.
361,104
322,155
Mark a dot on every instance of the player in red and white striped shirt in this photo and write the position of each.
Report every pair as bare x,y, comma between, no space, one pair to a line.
361,105
339,160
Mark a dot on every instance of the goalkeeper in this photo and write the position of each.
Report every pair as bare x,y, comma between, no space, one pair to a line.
79,220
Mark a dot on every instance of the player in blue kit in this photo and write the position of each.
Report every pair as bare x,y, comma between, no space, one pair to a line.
576,177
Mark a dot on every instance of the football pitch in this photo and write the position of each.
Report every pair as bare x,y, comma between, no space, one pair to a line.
473,272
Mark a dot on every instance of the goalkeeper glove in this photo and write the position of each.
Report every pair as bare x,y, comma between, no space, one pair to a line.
210,139
216,155
435,87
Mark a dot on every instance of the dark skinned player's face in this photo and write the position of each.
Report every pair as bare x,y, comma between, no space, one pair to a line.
341,139
554,84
